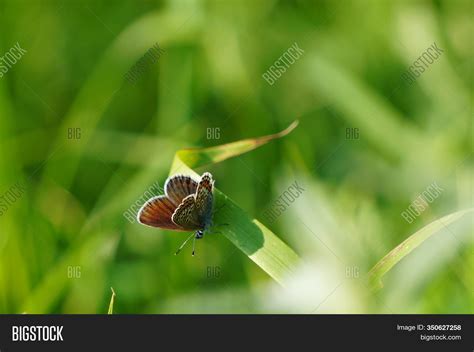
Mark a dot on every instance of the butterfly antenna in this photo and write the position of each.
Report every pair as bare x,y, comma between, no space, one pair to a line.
184,243
194,243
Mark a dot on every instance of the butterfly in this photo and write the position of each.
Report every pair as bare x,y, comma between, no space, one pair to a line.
186,206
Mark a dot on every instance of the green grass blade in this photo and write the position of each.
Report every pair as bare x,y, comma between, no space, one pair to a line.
260,244
407,246
197,157
111,304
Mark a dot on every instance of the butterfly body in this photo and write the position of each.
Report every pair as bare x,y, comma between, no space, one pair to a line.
186,205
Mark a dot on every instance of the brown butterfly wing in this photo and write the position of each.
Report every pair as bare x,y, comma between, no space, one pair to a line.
186,215
179,187
204,197
157,212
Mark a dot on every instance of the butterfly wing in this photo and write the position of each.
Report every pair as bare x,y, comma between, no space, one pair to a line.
179,187
186,206
157,212
204,197
186,215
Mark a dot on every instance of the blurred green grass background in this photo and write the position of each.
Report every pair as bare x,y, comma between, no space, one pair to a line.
210,76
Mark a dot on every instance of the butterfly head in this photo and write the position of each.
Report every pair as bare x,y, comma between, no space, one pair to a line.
199,234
